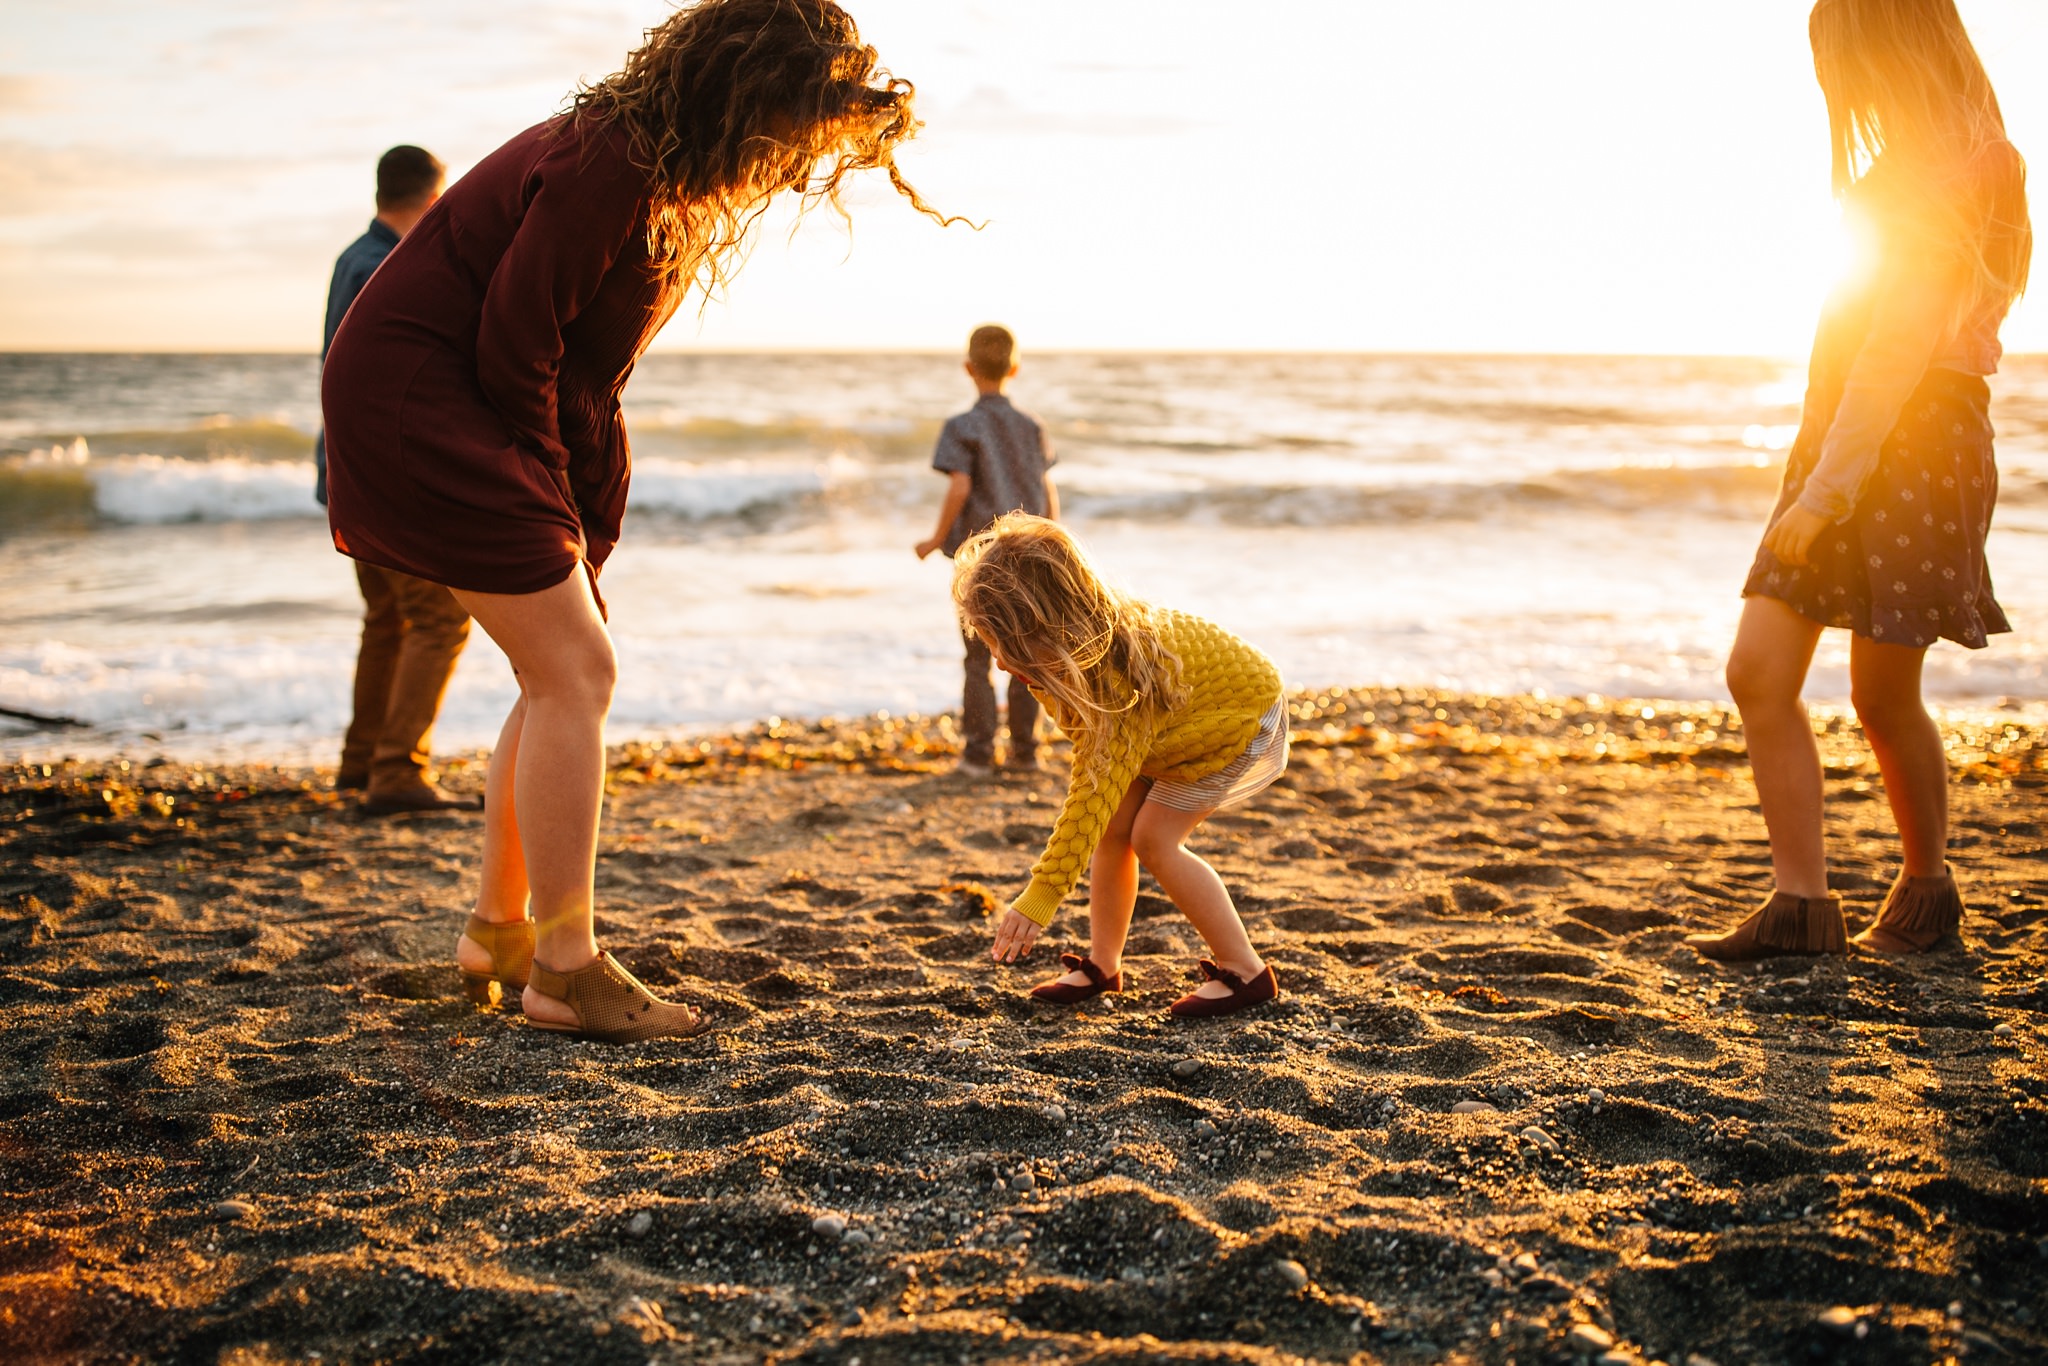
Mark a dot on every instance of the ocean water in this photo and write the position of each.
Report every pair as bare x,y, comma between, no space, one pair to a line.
1566,525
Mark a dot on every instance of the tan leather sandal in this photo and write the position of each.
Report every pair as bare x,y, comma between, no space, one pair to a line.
611,1004
510,945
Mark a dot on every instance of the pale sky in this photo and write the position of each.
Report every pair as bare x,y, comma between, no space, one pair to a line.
1466,175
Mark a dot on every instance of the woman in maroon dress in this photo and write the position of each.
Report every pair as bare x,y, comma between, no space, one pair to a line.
471,401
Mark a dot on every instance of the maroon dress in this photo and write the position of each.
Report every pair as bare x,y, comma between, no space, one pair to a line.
471,397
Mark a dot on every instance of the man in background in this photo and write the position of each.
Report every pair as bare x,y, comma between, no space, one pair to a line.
413,630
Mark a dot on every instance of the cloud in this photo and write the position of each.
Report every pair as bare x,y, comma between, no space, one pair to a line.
21,94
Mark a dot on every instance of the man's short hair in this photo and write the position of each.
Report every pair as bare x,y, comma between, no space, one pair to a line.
406,175
991,351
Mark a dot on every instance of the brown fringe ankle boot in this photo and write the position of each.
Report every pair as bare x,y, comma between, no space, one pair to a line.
1919,913
1785,924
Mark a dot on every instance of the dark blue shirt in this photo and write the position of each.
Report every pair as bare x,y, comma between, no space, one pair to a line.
352,270
1005,453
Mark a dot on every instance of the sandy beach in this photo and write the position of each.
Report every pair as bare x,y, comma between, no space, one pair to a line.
1502,1114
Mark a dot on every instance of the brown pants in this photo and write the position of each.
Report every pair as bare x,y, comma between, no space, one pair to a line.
413,631
978,711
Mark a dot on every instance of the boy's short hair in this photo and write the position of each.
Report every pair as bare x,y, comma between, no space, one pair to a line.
406,175
991,351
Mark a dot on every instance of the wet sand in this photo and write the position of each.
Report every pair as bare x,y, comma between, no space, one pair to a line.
1502,1114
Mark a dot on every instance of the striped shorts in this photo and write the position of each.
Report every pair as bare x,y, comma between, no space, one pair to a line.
1250,773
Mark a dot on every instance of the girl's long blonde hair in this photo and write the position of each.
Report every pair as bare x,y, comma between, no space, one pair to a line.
1919,143
730,102
1026,588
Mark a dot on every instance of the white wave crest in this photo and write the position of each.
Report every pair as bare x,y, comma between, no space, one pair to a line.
152,490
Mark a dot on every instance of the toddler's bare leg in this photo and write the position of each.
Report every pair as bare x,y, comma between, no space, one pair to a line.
1159,836
1112,888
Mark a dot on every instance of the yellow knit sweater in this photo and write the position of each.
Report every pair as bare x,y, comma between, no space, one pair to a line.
1230,686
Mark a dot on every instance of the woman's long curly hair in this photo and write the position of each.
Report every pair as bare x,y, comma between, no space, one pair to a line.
1026,587
730,102
1919,144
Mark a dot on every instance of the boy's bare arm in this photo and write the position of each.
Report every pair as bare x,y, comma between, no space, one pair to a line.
959,485
1052,498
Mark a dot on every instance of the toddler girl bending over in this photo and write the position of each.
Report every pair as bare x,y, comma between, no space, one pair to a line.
1171,719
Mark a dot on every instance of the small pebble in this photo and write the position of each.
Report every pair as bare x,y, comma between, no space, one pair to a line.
1586,1339
1597,1096
829,1225
1618,1357
1204,1129
1292,1272
1264,1154
1540,1139
1840,1320
1473,1107
640,1225
1056,1113
2002,1031
854,1237
234,1209
1524,1265
1187,1067
1546,1288
1134,1275
1024,1181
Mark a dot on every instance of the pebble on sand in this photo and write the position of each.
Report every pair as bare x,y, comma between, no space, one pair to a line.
1187,1067
1056,1113
1587,1339
640,1225
234,1209
2002,1031
1840,1320
1473,1107
829,1225
1540,1139
1292,1272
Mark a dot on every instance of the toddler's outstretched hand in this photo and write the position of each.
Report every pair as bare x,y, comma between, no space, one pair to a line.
1014,938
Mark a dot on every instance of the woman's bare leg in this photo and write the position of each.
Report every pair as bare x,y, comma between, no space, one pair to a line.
501,891
1112,889
1766,672
558,644
1159,836
1884,682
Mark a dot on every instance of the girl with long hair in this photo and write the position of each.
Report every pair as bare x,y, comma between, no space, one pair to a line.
1888,492
1171,719
471,402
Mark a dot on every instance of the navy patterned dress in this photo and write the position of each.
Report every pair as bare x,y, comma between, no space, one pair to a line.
1907,567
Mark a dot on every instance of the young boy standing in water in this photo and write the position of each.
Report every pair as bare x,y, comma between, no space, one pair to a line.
997,460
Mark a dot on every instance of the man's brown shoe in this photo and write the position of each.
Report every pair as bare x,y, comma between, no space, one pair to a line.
1919,913
1786,924
425,797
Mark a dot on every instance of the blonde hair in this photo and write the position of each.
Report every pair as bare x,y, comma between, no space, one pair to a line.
1919,143
1026,588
